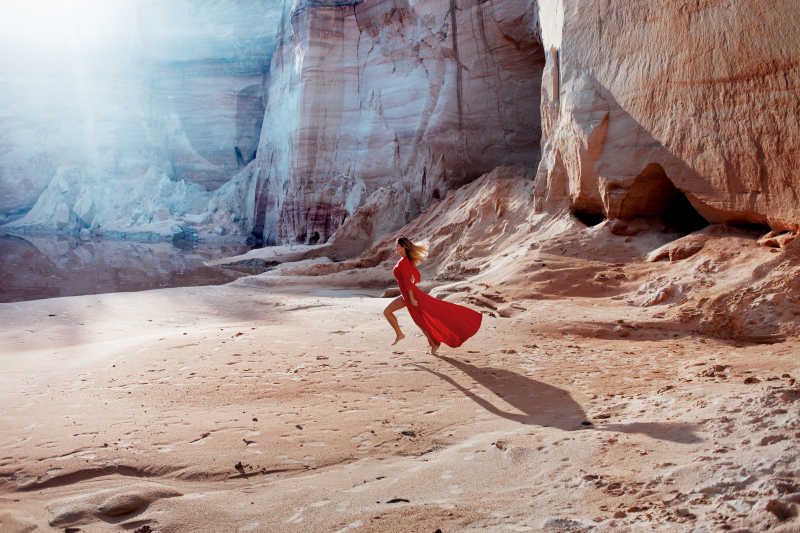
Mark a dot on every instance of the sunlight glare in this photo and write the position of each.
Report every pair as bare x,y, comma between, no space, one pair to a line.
52,25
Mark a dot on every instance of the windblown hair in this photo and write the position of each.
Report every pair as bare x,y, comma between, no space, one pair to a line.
416,253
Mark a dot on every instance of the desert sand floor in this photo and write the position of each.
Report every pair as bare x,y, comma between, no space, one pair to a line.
232,408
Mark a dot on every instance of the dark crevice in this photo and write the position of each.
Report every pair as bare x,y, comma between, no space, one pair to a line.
250,106
750,227
589,218
681,216
255,240
459,74
653,195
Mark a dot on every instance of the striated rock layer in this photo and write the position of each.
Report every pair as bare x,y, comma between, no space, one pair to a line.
645,103
370,96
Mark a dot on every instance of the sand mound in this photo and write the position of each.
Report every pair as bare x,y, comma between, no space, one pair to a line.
110,505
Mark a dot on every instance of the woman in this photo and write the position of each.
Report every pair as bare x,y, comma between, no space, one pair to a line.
440,321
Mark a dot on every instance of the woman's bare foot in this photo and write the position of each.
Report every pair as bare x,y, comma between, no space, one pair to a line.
434,347
400,337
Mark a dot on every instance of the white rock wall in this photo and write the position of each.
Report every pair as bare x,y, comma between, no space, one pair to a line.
363,97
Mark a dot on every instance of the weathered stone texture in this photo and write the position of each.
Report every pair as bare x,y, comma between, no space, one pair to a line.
362,97
705,90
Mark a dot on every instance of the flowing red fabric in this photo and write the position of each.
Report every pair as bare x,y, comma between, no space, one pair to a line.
446,322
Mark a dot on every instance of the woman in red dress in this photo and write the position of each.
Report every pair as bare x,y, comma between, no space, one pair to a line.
440,321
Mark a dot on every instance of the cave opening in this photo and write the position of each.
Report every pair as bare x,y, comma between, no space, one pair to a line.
754,228
314,238
588,218
680,216
653,195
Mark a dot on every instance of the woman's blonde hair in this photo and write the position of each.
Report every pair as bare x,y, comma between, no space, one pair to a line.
416,253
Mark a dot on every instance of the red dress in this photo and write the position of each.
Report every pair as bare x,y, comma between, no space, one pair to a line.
446,322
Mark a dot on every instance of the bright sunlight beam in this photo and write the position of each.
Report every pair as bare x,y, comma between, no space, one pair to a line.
58,26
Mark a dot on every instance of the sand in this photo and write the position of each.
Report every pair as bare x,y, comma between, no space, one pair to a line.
235,408
604,392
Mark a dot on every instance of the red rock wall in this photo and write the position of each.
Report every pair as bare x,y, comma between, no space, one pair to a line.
707,90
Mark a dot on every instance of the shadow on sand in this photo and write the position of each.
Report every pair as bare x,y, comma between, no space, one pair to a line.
541,404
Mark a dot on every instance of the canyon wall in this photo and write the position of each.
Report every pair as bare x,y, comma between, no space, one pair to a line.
644,103
389,104
106,105
340,121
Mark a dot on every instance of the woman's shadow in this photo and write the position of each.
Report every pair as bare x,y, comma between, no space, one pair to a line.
541,404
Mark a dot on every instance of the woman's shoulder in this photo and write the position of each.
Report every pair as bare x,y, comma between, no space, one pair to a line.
405,264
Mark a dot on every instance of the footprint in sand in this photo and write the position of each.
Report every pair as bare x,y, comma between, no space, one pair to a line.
320,503
296,518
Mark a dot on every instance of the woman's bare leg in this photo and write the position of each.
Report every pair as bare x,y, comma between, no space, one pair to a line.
393,306
433,344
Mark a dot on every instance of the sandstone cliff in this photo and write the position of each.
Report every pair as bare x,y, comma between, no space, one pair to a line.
124,97
645,103
350,118
683,113
392,100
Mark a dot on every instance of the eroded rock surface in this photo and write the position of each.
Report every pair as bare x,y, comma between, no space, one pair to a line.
641,100
364,97
301,117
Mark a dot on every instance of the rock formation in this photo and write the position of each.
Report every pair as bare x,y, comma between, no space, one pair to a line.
645,104
44,267
367,96
172,90
326,119
635,123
